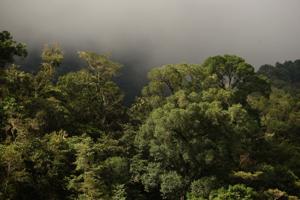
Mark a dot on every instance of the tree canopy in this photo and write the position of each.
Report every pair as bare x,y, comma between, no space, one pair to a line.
9,48
216,130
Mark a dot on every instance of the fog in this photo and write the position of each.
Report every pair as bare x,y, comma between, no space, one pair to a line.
143,34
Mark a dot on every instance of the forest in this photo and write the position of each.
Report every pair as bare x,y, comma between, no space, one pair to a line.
219,130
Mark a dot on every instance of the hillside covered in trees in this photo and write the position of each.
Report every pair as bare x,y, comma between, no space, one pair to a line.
217,130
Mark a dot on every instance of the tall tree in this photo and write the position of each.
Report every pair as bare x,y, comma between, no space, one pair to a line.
94,100
9,48
283,75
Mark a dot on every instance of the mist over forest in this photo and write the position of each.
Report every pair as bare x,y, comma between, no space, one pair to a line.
149,100
146,34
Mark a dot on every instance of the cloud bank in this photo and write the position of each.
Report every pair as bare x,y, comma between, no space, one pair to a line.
146,33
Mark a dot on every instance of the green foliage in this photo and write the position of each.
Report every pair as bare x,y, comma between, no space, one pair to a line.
98,169
248,175
283,75
171,185
119,193
233,73
210,131
18,84
100,65
52,55
201,188
95,105
35,167
235,192
278,194
170,78
194,137
10,48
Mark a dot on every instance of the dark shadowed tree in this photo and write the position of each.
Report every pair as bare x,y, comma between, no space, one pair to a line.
9,48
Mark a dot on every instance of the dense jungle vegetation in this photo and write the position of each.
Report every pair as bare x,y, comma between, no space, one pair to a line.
218,130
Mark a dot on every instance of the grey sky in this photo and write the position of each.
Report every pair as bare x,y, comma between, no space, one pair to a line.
160,31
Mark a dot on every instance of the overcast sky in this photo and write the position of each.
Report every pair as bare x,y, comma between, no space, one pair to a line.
155,32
